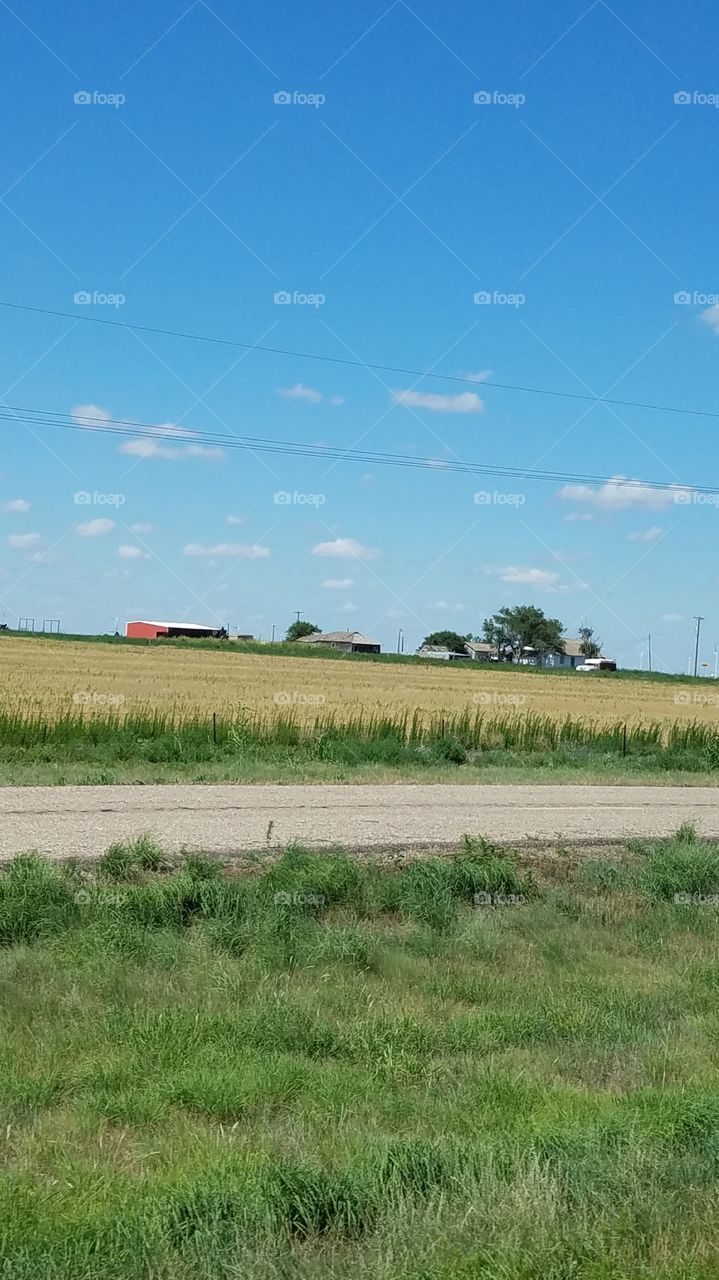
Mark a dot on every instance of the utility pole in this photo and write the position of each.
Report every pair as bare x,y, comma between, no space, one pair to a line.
649,638
698,621
298,612
400,640
273,632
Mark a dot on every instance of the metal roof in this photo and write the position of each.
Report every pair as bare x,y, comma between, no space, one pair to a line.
186,626
343,637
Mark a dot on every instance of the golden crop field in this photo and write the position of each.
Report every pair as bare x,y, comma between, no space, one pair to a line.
54,677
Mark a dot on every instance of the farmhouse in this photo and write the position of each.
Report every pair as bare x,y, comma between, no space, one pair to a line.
569,656
170,630
345,641
480,651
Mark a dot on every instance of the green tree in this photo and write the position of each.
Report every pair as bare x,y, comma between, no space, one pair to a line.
451,640
298,630
523,627
588,645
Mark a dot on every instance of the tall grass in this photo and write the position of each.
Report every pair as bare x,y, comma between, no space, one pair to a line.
174,735
330,1069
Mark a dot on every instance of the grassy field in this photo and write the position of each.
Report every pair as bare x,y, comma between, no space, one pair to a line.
60,676
451,1069
88,712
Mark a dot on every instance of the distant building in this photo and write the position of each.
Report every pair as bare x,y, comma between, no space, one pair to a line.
480,651
441,652
172,630
345,641
569,656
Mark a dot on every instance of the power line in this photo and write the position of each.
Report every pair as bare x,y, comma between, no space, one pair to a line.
122,427
359,364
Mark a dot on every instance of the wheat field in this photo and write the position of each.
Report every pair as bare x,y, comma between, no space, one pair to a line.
53,678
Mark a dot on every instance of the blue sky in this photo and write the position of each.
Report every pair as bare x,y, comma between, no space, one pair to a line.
381,197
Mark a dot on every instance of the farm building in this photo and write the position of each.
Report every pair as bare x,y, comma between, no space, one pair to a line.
345,641
480,651
171,630
441,652
570,656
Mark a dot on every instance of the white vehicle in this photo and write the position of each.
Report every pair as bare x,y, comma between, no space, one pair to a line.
597,664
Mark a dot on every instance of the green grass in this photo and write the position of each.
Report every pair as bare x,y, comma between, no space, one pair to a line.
111,748
330,1068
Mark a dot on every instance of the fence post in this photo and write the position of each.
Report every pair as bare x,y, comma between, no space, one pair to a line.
214,726
624,741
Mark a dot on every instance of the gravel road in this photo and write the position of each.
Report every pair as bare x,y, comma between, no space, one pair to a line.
83,821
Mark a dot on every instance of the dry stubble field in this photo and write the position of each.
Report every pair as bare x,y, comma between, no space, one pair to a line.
55,678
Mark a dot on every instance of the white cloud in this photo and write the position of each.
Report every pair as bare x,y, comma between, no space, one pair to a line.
444,606
529,577
337,401
710,317
621,494
646,535
346,549
94,528
132,553
465,402
337,584
235,519
539,579
672,617
575,517
17,504
23,540
349,607
141,527
150,449
300,392
234,550
90,416
481,376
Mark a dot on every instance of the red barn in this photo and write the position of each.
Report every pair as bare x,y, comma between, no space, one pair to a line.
170,630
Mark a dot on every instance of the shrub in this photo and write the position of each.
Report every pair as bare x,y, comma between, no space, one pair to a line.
36,901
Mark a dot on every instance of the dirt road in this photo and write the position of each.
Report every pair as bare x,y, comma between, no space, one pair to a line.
84,821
